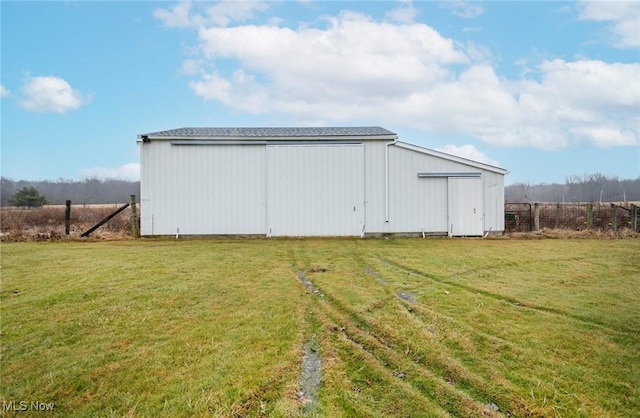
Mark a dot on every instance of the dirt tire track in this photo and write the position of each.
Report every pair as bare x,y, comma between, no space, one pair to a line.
368,339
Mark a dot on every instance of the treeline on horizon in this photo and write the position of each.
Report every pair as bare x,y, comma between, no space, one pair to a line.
585,188
87,191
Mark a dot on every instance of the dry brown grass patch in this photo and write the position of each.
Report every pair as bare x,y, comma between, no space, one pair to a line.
549,233
47,223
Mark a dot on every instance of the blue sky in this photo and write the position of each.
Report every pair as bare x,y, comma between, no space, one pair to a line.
544,89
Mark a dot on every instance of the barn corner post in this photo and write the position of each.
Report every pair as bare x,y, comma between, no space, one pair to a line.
135,231
67,217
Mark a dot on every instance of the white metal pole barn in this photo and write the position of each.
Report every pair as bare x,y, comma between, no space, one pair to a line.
335,181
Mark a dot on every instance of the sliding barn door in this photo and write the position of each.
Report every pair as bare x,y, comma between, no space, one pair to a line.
315,190
465,207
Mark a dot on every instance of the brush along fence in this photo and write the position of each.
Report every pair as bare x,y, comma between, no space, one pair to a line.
524,217
56,222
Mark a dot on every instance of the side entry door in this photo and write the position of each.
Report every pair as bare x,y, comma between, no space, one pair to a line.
465,206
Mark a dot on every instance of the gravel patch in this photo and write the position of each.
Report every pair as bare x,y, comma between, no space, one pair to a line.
308,284
407,296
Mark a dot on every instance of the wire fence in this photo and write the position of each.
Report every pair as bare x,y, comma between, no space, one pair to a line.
525,217
48,222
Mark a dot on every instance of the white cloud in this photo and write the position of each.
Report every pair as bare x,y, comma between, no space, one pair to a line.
354,56
572,99
358,70
130,172
4,92
178,16
213,87
623,19
469,152
51,94
464,9
404,13
584,100
191,67
606,136
225,12
187,14
592,83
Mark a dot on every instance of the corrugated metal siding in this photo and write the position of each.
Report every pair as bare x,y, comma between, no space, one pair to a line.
493,201
422,204
315,190
419,204
465,206
203,189
301,190
375,186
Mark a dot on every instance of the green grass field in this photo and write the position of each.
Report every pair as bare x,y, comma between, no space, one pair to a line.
404,327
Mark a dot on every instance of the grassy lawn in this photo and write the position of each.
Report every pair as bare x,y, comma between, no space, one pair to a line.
404,327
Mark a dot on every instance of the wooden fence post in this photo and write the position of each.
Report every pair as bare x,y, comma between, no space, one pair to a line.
590,216
614,217
634,218
67,218
536,216
134,218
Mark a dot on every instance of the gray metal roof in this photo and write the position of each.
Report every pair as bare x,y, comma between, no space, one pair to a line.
248,133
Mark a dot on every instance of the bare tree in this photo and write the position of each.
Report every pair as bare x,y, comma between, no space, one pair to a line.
577,188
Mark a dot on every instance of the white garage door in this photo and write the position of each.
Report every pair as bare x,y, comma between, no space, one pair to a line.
315,190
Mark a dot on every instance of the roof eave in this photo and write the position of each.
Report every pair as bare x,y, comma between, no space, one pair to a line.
319,138
461,160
